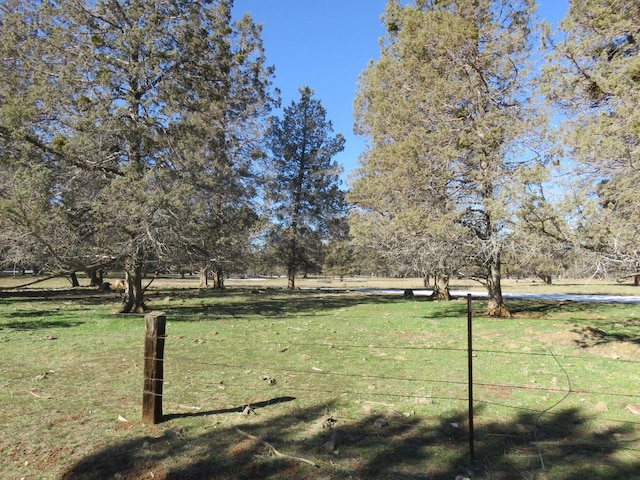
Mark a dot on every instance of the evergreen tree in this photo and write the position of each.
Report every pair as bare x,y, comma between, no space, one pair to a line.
116,93
302,186
593,75
444,108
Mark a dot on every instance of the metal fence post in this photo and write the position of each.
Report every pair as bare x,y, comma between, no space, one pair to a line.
470,365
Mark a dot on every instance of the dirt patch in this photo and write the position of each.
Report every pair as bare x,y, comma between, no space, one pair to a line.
567,337
497,391
617,350
42,459
145,471
592,340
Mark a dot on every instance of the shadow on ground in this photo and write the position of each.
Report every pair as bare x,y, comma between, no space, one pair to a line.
259,303
294,445
595,331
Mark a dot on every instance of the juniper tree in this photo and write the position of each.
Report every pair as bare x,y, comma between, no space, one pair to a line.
444,108
112,92
593,76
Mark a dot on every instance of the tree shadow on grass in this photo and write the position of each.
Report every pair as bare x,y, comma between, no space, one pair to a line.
246,303
602,330
80,296
40,324
532,307
376,446
608,331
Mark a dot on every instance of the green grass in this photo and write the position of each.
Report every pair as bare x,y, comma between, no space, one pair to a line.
552,387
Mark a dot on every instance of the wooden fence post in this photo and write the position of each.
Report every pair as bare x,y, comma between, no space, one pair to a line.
155,325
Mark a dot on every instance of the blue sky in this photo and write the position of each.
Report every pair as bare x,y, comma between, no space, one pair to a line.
325,45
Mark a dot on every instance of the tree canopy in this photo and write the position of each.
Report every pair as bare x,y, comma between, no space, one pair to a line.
136,135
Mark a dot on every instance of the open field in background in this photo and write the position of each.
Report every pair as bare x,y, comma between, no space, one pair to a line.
362,386
525,285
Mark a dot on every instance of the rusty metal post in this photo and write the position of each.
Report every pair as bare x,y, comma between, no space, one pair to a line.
470,365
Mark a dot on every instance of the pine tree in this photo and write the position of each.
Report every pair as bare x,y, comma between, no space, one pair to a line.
302,182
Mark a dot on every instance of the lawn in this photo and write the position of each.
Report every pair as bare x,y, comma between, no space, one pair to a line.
265,383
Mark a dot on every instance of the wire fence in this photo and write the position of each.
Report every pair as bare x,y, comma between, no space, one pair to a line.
423,378
549,379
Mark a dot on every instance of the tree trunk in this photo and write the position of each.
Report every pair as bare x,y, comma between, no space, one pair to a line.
95,277
133,301
74,280
496,307
203,275
441,288
546,278
218,278
426,281
636,280
291,277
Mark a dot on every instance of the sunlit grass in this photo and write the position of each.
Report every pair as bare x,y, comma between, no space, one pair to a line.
557,376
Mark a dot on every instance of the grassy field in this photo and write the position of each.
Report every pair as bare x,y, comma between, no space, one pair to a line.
265,383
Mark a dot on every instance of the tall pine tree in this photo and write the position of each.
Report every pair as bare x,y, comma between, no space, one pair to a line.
303,182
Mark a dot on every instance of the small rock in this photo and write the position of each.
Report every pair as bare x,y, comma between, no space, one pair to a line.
174,432
248,410
270,380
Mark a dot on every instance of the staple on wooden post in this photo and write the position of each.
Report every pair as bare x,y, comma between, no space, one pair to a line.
155,326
